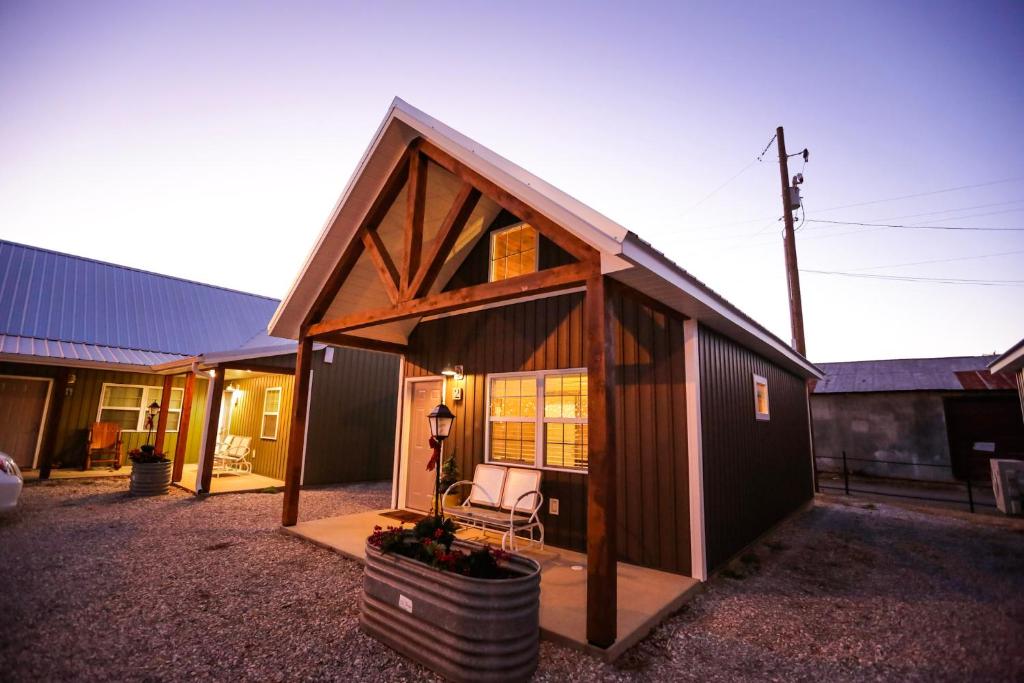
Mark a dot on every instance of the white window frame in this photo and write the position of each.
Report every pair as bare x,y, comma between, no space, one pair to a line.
540,453
265,412
509,228
766,415
140,424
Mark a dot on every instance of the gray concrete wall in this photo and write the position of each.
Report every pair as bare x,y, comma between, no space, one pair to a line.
899,426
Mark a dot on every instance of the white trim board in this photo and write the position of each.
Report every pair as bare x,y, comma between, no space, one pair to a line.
694,450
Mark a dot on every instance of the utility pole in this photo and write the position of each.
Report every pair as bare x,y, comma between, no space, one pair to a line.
796,309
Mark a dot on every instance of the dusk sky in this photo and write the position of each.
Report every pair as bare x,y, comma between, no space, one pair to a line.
211,140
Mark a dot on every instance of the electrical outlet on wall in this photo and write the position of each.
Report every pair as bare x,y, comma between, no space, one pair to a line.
553,506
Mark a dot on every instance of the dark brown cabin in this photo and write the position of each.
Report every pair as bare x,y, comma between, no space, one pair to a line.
672,429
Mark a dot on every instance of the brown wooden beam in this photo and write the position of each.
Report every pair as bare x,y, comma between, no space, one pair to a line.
216,390
460,211
378,209
416,200
165,405
602,609
382,262
256,366
547,227
355,342
181,446
49,440
540,282
297,433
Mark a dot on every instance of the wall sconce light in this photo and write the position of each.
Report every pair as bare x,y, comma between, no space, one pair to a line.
454,371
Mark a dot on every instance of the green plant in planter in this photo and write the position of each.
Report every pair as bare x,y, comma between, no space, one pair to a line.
146,454
430,542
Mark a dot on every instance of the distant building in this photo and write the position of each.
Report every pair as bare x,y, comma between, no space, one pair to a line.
84,342
945,416
1012,362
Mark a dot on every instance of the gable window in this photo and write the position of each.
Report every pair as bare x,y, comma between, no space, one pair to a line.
538,419
271,413
513,252
125,405
760,398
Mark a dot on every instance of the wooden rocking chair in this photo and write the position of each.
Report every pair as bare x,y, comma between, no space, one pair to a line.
103,446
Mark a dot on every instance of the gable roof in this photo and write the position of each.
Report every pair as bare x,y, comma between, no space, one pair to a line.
960,373
624,255
59,307
1010,361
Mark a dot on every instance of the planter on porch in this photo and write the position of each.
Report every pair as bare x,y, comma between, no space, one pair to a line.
150,478
463,628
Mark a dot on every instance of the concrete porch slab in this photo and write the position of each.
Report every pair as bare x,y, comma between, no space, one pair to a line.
228,483
645,596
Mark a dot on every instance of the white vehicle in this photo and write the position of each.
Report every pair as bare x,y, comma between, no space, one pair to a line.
10,483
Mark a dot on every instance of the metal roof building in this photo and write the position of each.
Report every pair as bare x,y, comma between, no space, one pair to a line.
60,308
959,373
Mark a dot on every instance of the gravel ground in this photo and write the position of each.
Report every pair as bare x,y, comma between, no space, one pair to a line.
100,586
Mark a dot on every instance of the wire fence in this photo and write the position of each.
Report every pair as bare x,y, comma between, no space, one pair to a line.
895,486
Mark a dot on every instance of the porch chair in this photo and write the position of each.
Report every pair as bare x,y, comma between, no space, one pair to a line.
234,457
505,499
103,445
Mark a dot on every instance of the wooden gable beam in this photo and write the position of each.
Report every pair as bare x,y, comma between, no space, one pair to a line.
415,206
539,282
547,227
378,209
383,263
460,211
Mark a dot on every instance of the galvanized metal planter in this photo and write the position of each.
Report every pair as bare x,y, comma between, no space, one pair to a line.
150,478
462,628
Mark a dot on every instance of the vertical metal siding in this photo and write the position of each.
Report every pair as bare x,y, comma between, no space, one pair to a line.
351,434
548,334
80,408
755,472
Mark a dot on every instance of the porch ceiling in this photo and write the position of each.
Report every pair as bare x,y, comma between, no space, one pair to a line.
363,289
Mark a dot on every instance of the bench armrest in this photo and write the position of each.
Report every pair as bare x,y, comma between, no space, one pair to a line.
463,482
533,512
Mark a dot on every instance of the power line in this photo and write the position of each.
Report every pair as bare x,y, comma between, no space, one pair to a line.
942,260
734,177
913,227
933,280
924,194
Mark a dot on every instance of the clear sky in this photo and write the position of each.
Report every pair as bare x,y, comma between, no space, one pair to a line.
211,140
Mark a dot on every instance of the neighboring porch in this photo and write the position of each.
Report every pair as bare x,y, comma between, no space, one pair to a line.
229,482
645,596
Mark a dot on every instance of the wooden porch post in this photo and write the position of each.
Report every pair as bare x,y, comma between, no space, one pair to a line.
181,446
165,404
297,432
216,390
601,498
49,442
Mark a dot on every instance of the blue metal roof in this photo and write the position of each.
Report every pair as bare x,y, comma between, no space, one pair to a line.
47,295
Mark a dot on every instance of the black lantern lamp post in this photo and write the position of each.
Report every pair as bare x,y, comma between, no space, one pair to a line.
441,420
151,412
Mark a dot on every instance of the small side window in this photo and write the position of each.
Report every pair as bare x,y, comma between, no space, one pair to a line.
761,398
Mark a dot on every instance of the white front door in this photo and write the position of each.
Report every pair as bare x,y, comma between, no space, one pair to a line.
419,483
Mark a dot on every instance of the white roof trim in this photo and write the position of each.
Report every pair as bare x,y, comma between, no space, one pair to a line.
1013,359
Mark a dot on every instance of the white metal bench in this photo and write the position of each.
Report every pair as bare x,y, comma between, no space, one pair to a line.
232,456
505,499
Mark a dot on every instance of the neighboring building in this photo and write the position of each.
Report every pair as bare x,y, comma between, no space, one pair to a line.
82,341
1012,362
946,416
672,429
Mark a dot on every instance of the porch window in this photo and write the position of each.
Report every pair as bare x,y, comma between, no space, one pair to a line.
538,419
513,252
271,413
125,405
761,398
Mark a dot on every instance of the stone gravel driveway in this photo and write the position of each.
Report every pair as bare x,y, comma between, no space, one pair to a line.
100,586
